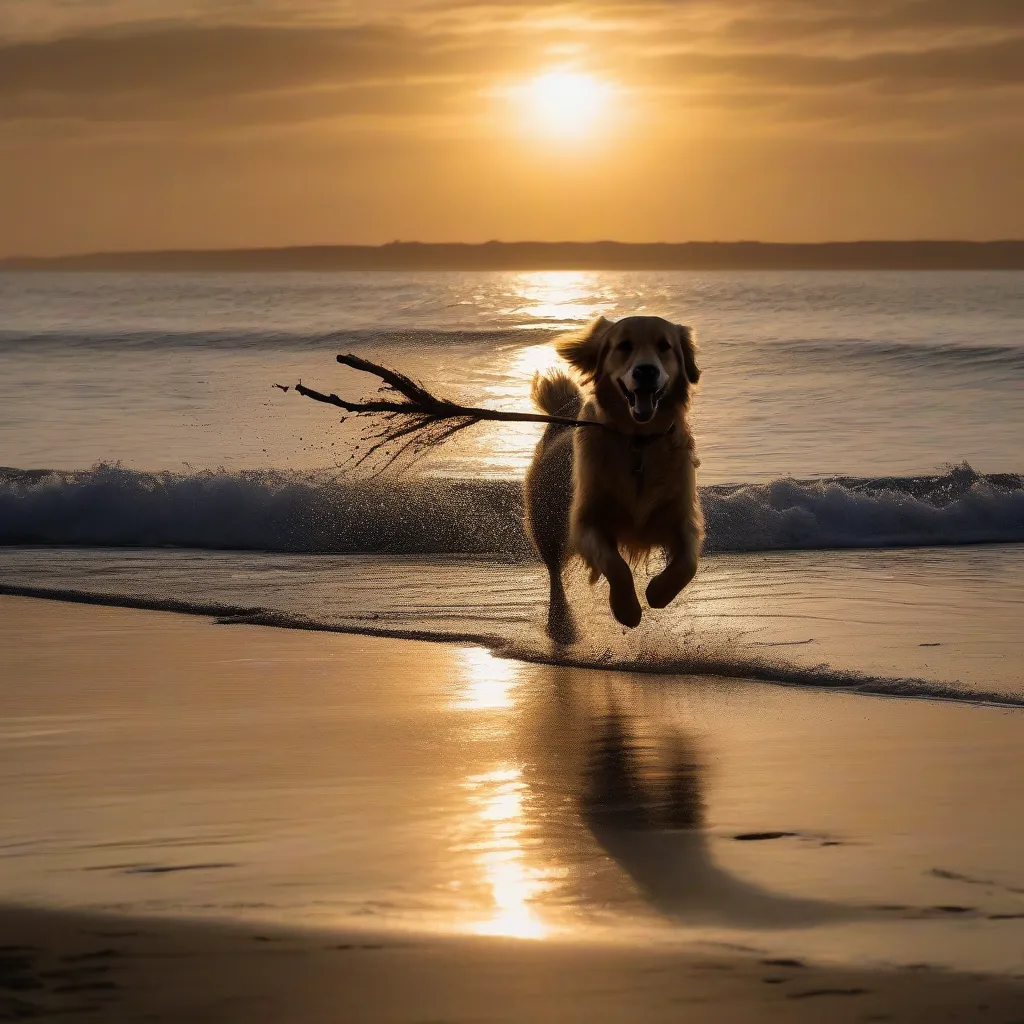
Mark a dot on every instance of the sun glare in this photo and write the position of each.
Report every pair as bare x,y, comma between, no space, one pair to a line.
565,104
498,797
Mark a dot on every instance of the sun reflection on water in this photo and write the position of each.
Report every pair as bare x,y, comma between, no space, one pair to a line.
488,683
508,447
497,826
556,300
498,799
563,297
534,359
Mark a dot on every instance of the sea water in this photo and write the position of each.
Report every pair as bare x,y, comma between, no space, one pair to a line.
859,434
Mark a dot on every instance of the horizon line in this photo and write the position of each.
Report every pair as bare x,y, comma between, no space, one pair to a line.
395,242
533,255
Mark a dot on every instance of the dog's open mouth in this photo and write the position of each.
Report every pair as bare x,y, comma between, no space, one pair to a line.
643,403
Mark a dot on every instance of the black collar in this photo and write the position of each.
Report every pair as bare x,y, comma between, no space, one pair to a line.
639,441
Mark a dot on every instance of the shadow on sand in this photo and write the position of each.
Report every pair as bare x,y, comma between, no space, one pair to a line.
638,785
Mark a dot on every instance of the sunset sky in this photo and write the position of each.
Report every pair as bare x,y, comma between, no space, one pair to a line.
166,123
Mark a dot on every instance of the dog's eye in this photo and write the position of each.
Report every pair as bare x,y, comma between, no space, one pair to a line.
663,345
625,345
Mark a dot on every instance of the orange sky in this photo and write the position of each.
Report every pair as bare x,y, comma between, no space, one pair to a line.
164,123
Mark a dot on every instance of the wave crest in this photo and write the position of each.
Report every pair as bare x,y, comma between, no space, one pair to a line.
110,506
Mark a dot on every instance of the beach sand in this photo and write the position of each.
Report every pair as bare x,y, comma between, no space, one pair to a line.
213,822
65,965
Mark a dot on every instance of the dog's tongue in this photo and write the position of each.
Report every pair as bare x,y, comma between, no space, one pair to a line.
643,405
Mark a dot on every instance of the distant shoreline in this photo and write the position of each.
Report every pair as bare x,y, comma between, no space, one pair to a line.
531,256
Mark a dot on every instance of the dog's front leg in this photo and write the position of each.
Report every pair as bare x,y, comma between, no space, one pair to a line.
681,568
601,553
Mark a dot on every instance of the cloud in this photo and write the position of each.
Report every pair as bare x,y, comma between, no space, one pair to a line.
428,62
871,17
215,60
965,67
209,73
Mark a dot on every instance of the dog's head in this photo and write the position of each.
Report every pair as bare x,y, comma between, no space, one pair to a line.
648,362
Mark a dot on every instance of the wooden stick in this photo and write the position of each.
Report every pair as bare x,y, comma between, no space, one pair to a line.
420,402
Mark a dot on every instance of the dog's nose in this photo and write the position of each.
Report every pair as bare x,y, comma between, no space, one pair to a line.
646,375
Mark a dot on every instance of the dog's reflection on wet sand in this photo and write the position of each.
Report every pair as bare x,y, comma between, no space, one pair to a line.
651,824
637,784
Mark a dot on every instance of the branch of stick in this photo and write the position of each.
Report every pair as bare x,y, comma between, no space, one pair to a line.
414,421
418,402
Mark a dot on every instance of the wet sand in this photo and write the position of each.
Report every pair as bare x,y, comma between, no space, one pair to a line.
317,826
65,965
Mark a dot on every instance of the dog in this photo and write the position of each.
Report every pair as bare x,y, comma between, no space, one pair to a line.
626,486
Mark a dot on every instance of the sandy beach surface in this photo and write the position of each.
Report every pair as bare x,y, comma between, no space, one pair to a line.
63,966
233,822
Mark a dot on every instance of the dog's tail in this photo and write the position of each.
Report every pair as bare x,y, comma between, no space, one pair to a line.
557,394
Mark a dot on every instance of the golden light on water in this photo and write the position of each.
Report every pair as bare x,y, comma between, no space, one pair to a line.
488,681
535,359
563,298
555,301
560,299
497,820
498,797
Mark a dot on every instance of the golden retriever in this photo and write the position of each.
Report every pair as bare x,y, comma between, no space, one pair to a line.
628,485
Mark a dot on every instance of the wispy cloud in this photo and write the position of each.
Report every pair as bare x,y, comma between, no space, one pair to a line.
136,122
433,61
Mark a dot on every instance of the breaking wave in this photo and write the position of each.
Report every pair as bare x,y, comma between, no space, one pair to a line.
110,506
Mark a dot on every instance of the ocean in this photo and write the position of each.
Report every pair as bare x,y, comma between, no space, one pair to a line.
859,435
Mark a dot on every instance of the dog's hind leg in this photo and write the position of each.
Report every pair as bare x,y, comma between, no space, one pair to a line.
548,496
561,625
551,540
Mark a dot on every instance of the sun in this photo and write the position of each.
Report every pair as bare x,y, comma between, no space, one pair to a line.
565,104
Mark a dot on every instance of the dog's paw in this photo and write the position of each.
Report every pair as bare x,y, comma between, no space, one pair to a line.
661,593
668,585
562,630
626,608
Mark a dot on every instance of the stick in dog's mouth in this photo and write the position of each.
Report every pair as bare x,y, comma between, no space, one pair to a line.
643,404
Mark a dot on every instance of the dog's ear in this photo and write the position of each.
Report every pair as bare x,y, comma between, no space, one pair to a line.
689,346
585,350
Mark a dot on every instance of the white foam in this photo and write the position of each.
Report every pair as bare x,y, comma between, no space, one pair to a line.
111,506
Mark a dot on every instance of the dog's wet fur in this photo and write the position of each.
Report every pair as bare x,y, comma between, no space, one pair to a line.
612,494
